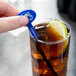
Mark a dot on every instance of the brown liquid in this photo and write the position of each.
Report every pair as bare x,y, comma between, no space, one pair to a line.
54,53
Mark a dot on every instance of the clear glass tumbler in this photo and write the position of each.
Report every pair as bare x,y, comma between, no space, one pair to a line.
49,58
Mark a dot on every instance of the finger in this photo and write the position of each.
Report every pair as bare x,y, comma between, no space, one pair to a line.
11,23
7,9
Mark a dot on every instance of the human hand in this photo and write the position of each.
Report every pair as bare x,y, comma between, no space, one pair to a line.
8,19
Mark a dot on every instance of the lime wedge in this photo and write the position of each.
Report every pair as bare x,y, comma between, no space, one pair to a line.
59,27
56,30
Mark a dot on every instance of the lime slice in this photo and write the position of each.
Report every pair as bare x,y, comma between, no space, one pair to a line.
59,27
56,30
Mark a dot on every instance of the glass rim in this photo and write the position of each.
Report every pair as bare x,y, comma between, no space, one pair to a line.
54,42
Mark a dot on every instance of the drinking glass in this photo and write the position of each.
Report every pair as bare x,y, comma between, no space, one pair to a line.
49,58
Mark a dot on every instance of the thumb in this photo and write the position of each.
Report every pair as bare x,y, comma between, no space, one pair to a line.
11,23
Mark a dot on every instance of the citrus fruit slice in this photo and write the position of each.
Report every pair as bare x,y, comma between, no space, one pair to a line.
56,30
58,27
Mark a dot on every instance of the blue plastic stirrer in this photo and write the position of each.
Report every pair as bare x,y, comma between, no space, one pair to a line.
31,15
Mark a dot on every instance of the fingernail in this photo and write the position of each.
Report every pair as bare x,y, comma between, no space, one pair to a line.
23,20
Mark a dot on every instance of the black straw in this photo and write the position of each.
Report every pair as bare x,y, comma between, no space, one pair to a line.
45,58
